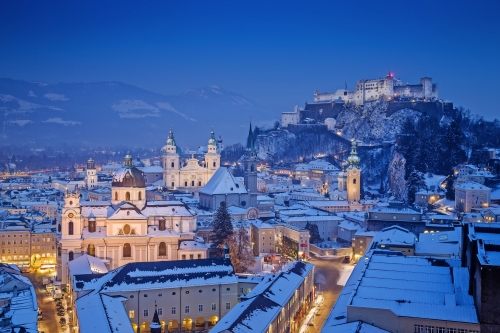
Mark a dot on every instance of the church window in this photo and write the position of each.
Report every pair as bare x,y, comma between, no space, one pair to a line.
173,164
92,226
199,183
127,196
71,255
162,224
173,184
354,181
192,183
58,228
214,164
127,250
91,250
140,195
185,184
162,249
116,195
70,228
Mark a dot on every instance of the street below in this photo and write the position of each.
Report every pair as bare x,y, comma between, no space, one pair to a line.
327,273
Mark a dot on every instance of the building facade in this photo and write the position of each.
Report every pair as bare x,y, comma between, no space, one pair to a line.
126,229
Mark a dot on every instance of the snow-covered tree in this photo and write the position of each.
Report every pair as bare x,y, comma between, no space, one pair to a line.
240,249
222,229
414,183
314,233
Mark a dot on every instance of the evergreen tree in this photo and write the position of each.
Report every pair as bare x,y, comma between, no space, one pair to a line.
240,249
450,188
314,233
222,229
414,183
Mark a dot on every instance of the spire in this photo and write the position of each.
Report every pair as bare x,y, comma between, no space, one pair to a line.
171,140
128,159
155,325
212,141
250,139
353,159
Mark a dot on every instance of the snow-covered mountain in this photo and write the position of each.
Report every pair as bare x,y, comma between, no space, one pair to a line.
109,113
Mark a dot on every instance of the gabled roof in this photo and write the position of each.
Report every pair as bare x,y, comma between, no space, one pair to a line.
127,212
223,182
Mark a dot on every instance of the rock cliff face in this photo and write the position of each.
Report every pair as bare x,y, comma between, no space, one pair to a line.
379,162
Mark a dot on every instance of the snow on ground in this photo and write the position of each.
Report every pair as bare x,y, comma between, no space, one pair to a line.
434,180
345,274
445,206
312,312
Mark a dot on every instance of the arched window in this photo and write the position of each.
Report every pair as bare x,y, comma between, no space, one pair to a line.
192,183
92,226
127,196
140,195
127,250
214,164
71,255
116,195
70,228
162,249
91,250
173,164
162,224
354,181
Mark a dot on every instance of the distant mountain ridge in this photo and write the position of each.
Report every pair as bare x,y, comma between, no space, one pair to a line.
112,113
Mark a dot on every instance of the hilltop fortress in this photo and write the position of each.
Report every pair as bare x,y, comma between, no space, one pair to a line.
385,88
326,107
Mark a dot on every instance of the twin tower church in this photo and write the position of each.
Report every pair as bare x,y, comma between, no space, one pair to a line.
130,228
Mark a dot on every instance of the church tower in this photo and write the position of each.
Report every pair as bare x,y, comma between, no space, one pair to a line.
353,175
171,162
69,246
91,175
250,165
212,157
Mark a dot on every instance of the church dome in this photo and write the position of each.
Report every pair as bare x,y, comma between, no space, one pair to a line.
129,176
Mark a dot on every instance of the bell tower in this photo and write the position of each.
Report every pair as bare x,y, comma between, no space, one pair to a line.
353,175
91,174
250,165
171,162
212,157
71,216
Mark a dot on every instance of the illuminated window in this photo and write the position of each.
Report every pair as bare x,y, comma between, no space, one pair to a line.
131,314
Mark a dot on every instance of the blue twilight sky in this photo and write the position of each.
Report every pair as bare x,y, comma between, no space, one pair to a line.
274,52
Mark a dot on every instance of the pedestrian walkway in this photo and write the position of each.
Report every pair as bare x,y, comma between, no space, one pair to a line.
318,302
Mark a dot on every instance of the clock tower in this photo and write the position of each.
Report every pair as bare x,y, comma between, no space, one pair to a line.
353,175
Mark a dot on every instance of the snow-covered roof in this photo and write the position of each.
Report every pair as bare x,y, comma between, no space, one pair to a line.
127,212
223,182
162,274
471,186
152,169
86,264
355,327
262,305
395,236
408,286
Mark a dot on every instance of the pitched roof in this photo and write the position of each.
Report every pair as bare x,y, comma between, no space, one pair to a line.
223,182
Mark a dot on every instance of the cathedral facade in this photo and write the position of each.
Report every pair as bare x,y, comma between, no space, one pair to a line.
128,228
191,175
